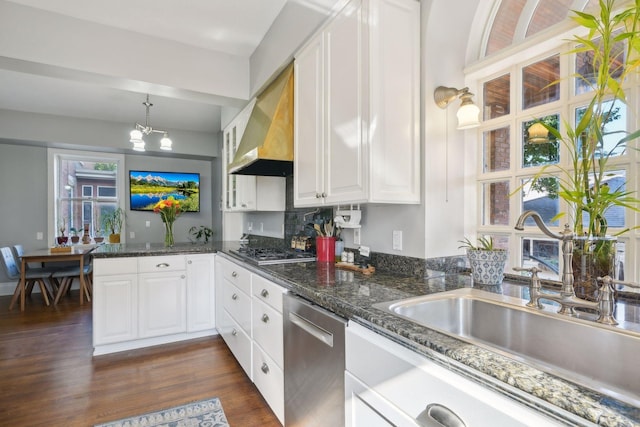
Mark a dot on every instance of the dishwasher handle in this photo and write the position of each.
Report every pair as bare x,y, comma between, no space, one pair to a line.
312,329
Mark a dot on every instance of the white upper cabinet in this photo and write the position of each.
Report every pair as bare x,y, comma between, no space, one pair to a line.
247,192
357,136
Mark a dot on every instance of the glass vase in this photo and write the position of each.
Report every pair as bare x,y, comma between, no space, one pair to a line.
168,234
593,257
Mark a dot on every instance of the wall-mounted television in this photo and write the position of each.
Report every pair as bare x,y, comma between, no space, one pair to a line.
146,188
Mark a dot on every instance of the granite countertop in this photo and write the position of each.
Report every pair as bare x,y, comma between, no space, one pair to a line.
352,295
153,249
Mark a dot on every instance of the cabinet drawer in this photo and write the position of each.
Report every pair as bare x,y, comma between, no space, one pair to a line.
269,379
158,264
267,330
268,292
236,274
110,266
410,382
238,341
238,305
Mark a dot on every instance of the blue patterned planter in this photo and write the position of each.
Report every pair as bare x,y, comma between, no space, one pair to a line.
487,267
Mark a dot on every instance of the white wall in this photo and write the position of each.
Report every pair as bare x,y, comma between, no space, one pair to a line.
445,39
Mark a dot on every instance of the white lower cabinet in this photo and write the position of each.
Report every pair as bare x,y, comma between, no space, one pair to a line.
238,341
161,303
144,301
201,295
269,379
250,321
115,302
390,385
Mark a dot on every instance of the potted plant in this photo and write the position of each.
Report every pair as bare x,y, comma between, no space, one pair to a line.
112,222
612,42
200,233
487,262
74,235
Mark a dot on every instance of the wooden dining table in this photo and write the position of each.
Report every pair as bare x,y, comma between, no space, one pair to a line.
75,254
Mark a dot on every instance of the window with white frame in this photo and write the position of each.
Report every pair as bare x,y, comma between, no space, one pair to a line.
515,93
83,186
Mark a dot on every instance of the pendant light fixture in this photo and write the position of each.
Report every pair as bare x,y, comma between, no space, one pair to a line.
136,135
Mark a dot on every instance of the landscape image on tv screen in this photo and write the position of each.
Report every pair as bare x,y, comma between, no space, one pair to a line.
146,188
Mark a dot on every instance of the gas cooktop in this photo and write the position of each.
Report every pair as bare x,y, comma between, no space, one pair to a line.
266,256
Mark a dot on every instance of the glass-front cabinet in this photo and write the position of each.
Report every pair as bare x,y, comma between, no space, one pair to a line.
239,190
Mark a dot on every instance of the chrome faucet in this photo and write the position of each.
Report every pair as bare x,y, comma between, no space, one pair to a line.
567,298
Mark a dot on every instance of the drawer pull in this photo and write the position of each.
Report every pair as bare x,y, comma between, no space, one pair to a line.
234,274
234,332
162,265
439,415
265,318
182,276
234,297
264,293
264,368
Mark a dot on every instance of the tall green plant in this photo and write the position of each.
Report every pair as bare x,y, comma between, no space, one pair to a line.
613,42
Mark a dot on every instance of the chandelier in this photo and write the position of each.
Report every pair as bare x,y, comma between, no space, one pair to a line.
140,130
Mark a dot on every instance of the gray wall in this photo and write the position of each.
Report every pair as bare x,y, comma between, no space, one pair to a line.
136,220
23,174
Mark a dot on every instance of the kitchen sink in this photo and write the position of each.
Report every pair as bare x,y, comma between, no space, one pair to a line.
597,356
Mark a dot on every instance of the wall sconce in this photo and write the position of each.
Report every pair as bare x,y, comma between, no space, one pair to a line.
468,112
538,134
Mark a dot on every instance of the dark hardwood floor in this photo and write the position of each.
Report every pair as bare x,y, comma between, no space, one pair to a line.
48,376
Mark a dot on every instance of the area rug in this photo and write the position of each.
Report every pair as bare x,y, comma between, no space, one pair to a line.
203,413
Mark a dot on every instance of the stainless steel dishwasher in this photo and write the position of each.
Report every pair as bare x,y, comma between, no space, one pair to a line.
314,364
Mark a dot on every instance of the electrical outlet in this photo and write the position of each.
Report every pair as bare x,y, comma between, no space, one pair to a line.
397,240
249,226
261,227
132,234
39,235
147,224
356,236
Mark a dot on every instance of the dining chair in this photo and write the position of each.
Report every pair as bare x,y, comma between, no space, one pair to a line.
31,277
64,278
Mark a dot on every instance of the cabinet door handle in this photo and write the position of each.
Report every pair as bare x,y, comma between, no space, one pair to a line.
234,274
436,414
234,332
189,262
265,368
182,276
318,195
234,297
265,318
162,265
324,195
264,293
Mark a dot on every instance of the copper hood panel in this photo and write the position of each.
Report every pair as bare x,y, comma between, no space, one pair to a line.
266,147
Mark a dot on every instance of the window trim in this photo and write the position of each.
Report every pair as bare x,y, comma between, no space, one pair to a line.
52,155
513,63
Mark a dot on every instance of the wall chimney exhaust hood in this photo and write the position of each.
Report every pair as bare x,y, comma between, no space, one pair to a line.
266,147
